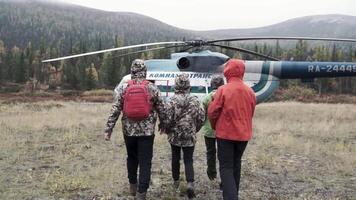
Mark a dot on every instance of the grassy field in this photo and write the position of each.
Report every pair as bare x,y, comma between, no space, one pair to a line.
55,150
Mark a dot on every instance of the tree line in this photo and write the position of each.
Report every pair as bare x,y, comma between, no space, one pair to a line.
21,65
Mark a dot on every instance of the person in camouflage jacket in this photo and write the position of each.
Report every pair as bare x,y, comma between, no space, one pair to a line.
130,127
185,117
138,135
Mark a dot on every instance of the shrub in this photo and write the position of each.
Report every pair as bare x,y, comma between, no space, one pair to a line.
296,93
98,92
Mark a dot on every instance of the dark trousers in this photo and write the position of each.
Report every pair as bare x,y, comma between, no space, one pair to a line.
139,154
188,162
210,144
229,155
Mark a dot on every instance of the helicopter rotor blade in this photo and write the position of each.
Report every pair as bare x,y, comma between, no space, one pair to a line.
113,49
282,38
245,51
186,49
151,49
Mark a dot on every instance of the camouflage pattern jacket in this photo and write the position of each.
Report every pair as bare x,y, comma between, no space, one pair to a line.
185,117
136,128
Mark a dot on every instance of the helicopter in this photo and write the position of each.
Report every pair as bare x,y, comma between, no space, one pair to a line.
263,76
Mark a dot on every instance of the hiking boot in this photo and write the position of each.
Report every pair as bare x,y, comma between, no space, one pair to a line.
211,176
140,196
133,189
176,185
190,190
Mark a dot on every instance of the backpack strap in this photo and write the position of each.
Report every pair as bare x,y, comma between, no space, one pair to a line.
145,82
129,83
132,82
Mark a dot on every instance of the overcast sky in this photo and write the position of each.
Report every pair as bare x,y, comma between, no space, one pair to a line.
218,14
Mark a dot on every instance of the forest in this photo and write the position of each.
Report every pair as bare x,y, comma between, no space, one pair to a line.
23,65
32,31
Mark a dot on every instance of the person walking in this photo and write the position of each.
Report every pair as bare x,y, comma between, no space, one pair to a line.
140,103
185,117
230,114
208,132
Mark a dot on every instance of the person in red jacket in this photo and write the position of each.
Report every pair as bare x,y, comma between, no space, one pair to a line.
230,114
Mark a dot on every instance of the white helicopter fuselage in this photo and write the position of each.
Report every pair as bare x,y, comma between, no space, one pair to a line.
261,76
262,84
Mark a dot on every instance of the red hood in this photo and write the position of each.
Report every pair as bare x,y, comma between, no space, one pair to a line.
234,68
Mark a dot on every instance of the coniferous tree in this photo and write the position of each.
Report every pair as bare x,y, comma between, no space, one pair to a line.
264,49
2,59
20,69
277,52
301,51
81,66
117,64
334,54
91,77
255,48
29,54
106,72
14,64
70,74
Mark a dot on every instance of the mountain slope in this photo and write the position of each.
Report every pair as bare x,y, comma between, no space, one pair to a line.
22,21
65,25
342,26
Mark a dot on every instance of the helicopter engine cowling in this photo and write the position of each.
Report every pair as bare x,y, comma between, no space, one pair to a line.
200,63
183,63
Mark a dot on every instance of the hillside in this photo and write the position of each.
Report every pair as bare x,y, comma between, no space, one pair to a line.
33,30
63,25
59,24
342,26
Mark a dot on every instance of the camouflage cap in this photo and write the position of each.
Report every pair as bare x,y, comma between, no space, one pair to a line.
182,83
216,81
138,69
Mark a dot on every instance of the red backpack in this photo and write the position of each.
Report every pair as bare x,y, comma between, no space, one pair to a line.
137,101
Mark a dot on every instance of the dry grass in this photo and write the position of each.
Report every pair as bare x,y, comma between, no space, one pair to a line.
55,150
98,92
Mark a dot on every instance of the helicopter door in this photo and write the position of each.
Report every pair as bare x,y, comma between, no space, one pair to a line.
206,86
164,87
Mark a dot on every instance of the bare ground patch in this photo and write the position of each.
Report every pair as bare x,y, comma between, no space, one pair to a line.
55,150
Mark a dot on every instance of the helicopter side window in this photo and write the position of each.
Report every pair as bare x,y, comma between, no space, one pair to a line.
165,88
201,89
152,81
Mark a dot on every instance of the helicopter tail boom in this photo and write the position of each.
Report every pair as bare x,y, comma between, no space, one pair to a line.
308,70
301,70
264,76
